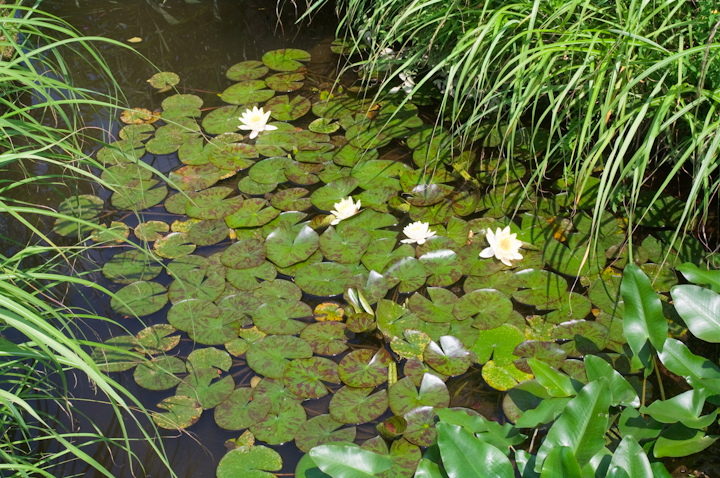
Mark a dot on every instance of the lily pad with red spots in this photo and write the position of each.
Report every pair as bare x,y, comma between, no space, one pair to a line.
357,405
199,385
365,368
247,91
247,70
322,430
450,357
253,213
437,309
326,338
421,426
286,246
269,356
488,308
159,374
244,254
282,108
243,409
305,377
280,426
404,396
278,317
286,59
181,412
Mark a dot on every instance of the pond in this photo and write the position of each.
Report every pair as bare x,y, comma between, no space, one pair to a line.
272,270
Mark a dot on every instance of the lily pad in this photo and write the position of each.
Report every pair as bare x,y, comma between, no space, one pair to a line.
132,266
232,156
356,405
420,426
138,198
291,199
277,289
488,307
304,377
118,356
286,247
285,82
242,409
121,152
413,346
249,462
275,390
253,213
184,315
450,357
322,430
181,412
327,196
174,245
281,426
287,59
275,144
199,384
323,125
222,120
139,298
244,254
155,340
323,279
248,91
135,133
382,252
247,70
416,369
442,267
345,246
325,338
393,319
164,80
277,317
404,455
282,108
248,186
208,233
438,309
407,272
365,368
503,377
404,396
194,178
270,355
159,374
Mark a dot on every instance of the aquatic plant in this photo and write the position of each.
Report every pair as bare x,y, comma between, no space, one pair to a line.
42,344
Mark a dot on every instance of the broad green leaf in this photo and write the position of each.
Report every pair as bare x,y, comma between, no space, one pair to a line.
700,309
630,456
622,391
341,461
246,70
278,316
561,463
365,368
465,456
679,440
557,384
181,412
684,408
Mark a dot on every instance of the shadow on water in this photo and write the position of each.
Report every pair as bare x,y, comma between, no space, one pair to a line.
198,41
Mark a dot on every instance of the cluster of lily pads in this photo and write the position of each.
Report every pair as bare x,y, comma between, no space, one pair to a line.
259,232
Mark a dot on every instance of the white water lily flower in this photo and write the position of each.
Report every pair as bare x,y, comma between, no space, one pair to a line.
407,85
255,120
503,245
417,232
344,209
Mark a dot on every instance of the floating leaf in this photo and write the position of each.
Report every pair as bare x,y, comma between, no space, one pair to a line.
442,267
281,426
242,409
244,254
246,70
194,178
164,80
345,246
276,317
199,384
452,359
356,405
138,116
285,82
420,426
270,355
282,108
250,462
248,91
438,309
404,396
408,272
324,125
488,307
503,377
132,266
183,315
323,279
253,213
286,247
208,233
181,412
364,368
275,143
139,298
321,430
304,377
413,346
277,289
118,356
174,245
287,59
326,338
138,198
159,374
136,132
232,156
155,340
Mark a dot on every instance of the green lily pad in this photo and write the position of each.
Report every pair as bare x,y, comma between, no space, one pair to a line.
216,330
542,289
165,144
287,59
326,197
404,455
248,186
222,120
436,214
232,156
159,374
174,245
356,405
151,231
420,426
346,246
286,247
416,369
121,152
548,352
590,337
498,343
382,252
438,309
441,267
185,266
277,317
164,79
242,409
194,178
139,298
184,315
291,199
270,170
135,133
376,173
408,273
253,213
377,198
250,462
371,221
275,390
604,293
571,307
323,279
323,125
303,173
209,357
155,340
326,338
275,143
314,143
138,198
118,232
247,279
247,70
503,377
281,426
193,152
270,355
285,82
662,277
244,254
404,396
322,430
132,266
450,357
393,319
126,175
248,91
282,108
208,233
413,346
489,308
277,289
120,357
181,412
304,377
199,384
365,368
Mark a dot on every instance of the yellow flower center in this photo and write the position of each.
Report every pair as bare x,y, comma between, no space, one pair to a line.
505,244
255,118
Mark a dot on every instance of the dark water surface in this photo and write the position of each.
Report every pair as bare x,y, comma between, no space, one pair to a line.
198,41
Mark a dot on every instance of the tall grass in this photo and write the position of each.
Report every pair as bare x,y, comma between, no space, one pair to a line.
623,87
43,159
